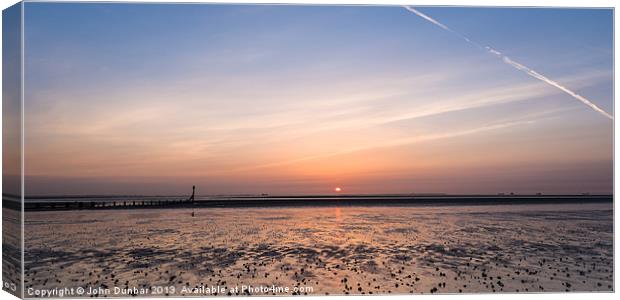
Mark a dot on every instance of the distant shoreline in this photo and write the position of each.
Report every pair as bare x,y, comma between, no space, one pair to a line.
136,202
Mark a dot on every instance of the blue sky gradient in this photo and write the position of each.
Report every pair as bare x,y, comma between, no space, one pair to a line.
147,98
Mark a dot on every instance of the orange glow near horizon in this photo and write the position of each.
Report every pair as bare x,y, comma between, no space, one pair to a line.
211,114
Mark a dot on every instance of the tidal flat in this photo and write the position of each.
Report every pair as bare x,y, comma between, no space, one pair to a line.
323,250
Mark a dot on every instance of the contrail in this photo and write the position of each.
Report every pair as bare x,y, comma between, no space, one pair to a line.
514,64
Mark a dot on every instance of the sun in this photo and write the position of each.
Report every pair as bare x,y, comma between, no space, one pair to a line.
338,189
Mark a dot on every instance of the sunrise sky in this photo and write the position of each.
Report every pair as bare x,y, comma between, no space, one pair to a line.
152,99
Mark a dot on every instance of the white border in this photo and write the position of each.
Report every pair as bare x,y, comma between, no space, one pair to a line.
508,3
505,3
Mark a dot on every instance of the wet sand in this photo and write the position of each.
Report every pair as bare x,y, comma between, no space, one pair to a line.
11,251
326,250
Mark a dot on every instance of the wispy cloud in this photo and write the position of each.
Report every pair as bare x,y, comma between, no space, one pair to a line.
416,139
298,105
347,117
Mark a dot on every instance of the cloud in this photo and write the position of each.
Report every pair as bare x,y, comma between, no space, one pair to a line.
416,139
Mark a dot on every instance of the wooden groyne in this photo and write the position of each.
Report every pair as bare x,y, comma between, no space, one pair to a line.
104,204
44,203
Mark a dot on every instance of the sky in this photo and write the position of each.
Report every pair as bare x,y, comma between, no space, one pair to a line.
249,99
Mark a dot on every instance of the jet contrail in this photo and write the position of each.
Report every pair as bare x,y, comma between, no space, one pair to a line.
514,64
